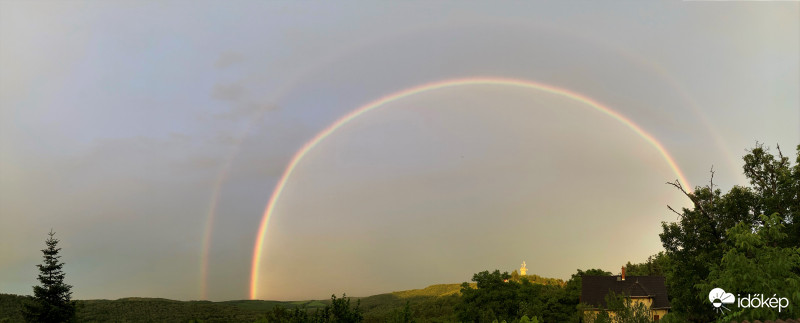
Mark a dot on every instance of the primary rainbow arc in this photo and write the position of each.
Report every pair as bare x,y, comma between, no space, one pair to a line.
298,156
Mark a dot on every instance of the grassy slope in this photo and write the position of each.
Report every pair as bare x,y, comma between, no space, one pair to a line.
434,303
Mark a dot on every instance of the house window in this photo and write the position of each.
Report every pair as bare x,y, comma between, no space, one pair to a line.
655,318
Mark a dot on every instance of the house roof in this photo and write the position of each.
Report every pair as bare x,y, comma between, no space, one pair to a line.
595,288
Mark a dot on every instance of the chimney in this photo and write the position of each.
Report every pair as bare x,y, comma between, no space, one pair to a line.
623,273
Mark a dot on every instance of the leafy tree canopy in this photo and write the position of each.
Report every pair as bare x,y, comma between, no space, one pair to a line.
500,298
339,311
624,309
708,242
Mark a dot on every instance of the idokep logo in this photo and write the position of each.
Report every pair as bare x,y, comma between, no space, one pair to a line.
719,298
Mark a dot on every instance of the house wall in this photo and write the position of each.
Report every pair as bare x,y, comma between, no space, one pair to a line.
647,301
660,313
589,315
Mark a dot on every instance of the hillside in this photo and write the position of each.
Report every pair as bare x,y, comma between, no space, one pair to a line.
137,309
434,303
434,300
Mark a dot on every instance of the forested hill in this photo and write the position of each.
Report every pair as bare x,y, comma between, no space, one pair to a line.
434,302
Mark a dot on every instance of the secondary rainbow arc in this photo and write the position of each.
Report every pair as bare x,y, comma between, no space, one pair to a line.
298,156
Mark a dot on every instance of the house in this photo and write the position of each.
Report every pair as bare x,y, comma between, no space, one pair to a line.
649,290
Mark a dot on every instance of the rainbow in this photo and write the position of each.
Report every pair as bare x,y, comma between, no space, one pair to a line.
215,194
496,81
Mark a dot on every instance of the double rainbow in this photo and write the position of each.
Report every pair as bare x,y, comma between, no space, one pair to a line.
495,81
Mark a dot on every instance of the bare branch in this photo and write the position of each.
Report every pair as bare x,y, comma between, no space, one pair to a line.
711,185
691,197
677,185
696,202
676,212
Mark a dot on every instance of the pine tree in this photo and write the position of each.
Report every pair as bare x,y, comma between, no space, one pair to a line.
52,299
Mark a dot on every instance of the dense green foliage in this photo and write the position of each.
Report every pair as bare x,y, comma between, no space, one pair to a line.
498,297
536,279
435,303
624,309
339,310
653,266
743,240
51,300
153,310
755,264
403,316
10,307
432,304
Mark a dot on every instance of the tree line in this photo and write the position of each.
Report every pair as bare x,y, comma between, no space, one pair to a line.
746,240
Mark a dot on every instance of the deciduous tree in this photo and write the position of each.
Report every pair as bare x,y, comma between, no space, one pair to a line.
702,235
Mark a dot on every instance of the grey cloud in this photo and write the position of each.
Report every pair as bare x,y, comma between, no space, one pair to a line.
228,59
232,92
241,105
247,111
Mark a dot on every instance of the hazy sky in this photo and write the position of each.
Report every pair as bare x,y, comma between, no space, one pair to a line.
126,125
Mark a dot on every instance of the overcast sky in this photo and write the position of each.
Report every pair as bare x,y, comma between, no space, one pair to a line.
126,125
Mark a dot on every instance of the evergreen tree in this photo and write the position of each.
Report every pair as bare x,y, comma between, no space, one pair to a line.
52,299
